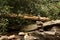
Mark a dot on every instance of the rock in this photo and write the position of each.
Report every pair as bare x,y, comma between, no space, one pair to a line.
12,37
33,38
4,38
29,37
29,27
26,37
49,32
20,38
21,33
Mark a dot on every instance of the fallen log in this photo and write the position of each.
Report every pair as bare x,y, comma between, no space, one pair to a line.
30,17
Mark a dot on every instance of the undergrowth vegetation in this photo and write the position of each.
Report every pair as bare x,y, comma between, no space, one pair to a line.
44,8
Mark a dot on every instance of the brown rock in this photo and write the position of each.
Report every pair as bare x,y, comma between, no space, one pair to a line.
21,33
4,38
12,37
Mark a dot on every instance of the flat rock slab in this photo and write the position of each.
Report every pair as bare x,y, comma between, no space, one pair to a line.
29,27
34,26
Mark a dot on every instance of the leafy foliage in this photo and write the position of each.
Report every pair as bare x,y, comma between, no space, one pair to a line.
3,25
46,8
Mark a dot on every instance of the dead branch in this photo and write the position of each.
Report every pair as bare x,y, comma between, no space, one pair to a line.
30,17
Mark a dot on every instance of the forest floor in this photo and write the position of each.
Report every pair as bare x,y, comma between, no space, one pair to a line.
33,35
